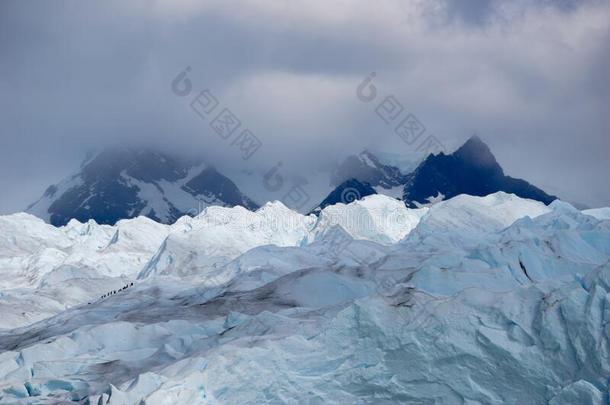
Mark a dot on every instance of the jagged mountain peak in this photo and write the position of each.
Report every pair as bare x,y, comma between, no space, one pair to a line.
120,183
367,167
123,183
474,142
142,164
472,169
477,153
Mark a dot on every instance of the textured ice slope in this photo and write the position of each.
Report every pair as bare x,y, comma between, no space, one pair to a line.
47,269
489,300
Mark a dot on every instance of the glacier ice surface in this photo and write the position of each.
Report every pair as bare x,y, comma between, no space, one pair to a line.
474,300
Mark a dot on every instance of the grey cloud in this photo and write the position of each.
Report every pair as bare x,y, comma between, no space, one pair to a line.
483,12
75,76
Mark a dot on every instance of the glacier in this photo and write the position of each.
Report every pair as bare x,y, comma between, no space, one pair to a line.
472,300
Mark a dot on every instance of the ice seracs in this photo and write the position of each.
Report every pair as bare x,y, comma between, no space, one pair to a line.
599,213
466,219
477,300
377,218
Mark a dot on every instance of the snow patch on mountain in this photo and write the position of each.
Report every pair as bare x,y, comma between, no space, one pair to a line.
120,184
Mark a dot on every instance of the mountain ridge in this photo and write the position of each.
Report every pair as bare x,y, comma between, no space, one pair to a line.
472,169
123,183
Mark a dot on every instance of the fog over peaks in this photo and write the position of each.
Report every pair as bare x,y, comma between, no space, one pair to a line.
530,77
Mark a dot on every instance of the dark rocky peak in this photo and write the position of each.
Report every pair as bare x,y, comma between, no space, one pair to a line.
142,164
472,169
366,167
347,192
476,153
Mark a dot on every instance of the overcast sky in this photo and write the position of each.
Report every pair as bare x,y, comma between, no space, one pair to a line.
531,78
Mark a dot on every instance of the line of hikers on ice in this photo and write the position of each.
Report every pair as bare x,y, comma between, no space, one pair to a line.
108,294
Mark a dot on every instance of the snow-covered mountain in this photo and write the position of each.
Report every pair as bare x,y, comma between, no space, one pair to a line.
477,300
120,184
472,169
367,168
125,183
